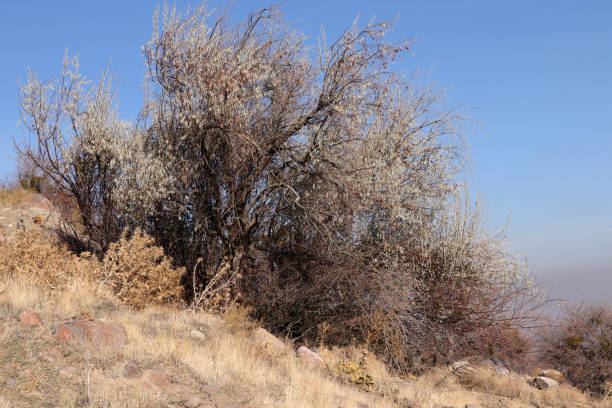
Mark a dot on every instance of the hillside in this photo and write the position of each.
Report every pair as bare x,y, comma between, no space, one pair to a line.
67,341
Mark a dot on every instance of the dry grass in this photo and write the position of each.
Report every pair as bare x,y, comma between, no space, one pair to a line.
196,349
13,197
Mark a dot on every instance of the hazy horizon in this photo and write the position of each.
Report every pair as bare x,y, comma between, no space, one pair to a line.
535,77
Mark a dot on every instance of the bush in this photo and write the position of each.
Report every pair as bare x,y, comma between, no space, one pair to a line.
581,347
320,188
139,272
44,262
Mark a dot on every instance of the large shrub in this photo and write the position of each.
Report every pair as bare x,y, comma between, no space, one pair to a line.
316,185
581,347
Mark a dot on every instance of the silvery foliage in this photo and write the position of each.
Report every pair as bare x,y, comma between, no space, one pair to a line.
76,127
314,124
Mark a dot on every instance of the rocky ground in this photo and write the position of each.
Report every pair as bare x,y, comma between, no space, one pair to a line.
25,211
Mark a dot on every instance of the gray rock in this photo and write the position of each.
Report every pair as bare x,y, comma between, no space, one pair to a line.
544,383
309,357
198,335
462,367
192,401
267,340
502,371
132,370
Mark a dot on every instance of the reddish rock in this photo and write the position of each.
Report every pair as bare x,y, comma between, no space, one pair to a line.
132,370
30,319
94,332
26,373
157,377
309,357
51,354
211,390
192,401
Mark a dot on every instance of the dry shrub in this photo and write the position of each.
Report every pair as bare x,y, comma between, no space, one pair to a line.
139,272
46,263
581,347
238,318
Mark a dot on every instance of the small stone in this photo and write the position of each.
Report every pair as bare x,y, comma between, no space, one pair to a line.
309,357
544,383
193,401
198,335
554,374
51,354
157,377
30,319
131,370
158,317
26,373
462,367
471,406
210,390
502,371
11,383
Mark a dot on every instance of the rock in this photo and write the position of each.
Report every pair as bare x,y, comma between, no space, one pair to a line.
309,357
501,371
51,354
462,367
30,319
554,374
268,340
11,383
210,390
198,335
192,401
544,383
93,332
471,406
26,373
157,377
131,370
158,317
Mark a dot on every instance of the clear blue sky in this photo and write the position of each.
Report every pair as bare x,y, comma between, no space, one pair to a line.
535,74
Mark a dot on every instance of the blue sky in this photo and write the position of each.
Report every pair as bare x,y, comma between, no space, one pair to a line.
535,75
